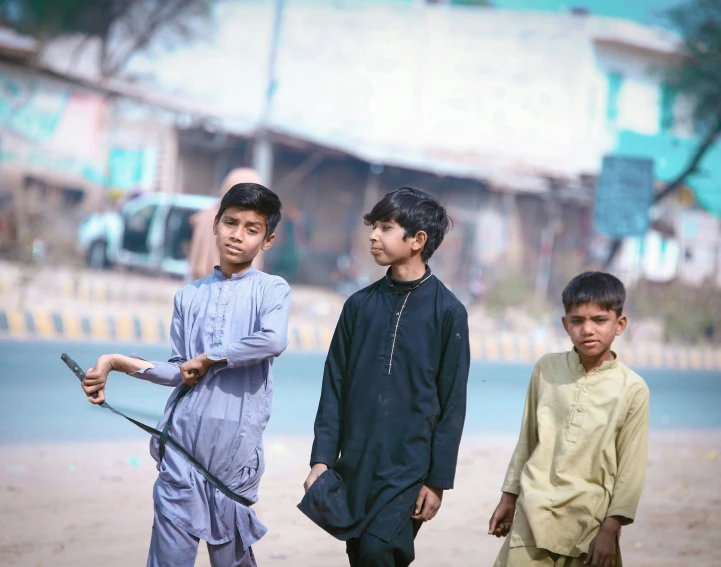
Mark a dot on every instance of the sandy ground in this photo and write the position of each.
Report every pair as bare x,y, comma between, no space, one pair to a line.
90,504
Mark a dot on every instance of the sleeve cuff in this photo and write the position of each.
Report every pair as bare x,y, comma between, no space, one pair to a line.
216,354
326,459
441,483
511,488
628,514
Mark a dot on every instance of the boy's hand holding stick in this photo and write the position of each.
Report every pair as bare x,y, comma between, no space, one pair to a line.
194,369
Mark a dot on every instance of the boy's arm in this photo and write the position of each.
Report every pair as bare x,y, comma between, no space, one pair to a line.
165,373
632,451
502,518
452,384
329,419
527,439
268,342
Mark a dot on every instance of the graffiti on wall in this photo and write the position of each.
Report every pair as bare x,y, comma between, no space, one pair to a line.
28,110
54,128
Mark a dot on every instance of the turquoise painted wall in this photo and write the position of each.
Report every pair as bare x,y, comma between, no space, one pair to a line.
671,155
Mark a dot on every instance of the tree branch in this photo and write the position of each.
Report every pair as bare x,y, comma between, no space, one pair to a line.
676,184
162,17
693,164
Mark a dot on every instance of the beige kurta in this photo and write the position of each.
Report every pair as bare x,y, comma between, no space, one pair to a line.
581,454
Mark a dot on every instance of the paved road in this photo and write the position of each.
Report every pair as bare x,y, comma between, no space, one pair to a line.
40,400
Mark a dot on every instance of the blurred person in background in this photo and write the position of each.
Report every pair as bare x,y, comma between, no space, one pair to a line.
203,255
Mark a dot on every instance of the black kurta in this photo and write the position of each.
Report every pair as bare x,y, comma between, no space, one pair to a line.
392,405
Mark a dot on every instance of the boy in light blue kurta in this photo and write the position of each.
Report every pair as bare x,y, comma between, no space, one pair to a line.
227,328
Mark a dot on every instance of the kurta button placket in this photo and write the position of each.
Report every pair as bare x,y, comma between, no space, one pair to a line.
399,313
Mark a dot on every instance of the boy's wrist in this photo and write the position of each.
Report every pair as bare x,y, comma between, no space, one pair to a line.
611,525
509,496
112,361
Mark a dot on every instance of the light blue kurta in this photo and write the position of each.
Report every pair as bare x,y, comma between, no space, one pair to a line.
244,320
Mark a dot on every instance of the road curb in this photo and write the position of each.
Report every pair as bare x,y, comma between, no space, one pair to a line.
307,337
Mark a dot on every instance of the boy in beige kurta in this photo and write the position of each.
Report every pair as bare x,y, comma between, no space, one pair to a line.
578,470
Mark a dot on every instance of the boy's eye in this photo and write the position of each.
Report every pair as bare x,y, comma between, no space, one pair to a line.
252,231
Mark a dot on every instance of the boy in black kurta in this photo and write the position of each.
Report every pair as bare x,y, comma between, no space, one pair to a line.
393,401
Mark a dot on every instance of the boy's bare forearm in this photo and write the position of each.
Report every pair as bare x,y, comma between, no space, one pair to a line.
128,364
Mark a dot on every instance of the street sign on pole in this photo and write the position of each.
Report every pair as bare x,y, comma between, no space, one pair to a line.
623,196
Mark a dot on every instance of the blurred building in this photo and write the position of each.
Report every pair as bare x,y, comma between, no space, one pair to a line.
503,115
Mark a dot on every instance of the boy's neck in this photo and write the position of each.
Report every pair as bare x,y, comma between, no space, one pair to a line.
229,270
409,271
591,363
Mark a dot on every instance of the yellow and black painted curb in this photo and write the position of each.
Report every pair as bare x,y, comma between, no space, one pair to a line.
305,337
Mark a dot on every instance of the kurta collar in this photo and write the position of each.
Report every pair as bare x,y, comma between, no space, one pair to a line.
249,272
403,286
605,365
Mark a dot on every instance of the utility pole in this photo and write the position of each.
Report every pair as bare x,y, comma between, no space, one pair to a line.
548,240
263,150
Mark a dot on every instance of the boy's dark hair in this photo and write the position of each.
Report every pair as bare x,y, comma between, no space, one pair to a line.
253,197
414,210
605,290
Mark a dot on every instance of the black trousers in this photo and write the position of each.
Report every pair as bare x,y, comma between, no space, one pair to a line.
371,551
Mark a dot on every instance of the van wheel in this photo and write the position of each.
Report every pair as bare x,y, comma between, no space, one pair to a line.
98,255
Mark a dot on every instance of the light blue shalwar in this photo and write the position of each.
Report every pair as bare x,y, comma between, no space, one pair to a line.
243,320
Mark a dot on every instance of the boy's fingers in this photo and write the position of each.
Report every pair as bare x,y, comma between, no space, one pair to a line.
419,502
90,388
99,400
492,523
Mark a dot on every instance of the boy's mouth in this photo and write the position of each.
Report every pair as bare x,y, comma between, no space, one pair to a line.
233,249
375,251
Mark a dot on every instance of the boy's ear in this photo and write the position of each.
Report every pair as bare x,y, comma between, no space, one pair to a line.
621,325
215,226
268,242
565,323
419,240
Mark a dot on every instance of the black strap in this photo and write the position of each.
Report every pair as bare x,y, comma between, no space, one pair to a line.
164,438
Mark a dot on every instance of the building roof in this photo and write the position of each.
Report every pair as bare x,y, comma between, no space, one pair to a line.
16,45
501,96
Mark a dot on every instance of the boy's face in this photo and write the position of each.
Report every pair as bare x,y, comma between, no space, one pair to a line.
593,329
388,246
240,236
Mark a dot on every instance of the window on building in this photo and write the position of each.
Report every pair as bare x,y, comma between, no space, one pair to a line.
615,80
668,107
